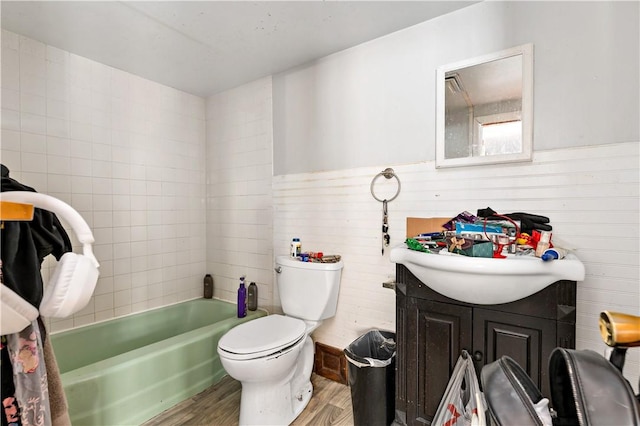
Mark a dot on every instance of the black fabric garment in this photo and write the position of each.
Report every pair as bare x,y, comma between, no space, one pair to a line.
528,221
26,244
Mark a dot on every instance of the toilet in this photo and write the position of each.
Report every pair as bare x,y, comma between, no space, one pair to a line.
272,356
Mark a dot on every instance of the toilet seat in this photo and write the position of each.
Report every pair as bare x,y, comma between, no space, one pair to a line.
262,337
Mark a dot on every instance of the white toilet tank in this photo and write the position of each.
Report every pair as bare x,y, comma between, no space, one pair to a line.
308,290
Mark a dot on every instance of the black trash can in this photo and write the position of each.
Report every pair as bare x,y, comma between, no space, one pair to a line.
372,361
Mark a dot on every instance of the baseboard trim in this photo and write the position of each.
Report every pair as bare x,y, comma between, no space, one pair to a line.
330,363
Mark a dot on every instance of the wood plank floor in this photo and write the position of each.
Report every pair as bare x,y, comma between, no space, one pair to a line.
219,405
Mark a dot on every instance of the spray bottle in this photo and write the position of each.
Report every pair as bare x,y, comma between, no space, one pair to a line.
242,299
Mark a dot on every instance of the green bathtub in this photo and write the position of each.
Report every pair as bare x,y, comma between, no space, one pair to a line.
126,370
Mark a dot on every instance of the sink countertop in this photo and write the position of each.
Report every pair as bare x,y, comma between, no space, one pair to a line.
486,280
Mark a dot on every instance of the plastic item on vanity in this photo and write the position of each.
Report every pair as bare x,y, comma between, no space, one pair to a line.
544,243
553,253
208,286
242,299
296,247
252,296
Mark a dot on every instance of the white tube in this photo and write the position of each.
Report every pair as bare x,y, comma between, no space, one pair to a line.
553,253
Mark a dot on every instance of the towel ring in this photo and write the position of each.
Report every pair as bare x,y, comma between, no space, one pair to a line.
388,173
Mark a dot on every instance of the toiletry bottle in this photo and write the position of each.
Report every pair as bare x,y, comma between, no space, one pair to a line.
242,299
543,244
553,253
296,247
252,296
208,286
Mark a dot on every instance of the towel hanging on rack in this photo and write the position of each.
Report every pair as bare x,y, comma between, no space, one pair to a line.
28,234
74,278
25,244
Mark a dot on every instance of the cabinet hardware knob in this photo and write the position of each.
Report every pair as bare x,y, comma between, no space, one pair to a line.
478,356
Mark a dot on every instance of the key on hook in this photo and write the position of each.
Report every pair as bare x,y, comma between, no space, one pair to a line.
385,226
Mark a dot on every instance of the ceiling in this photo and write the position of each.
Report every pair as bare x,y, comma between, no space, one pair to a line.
488,80
205,47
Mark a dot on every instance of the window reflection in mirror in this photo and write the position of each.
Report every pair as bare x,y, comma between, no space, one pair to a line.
484,109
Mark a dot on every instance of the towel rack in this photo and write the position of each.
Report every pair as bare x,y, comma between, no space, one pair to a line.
388,173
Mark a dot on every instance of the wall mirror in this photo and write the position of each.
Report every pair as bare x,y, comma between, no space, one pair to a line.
484,109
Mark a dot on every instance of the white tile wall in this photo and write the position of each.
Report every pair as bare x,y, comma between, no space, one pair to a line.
239,206
127,153
590,194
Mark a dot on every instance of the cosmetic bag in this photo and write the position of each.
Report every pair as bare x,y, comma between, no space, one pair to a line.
586,389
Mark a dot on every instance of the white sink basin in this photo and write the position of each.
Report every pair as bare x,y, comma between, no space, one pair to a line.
486,281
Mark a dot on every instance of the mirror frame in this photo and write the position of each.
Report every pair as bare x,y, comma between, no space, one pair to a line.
526,51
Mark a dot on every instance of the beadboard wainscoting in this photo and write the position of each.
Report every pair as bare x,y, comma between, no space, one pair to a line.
589,193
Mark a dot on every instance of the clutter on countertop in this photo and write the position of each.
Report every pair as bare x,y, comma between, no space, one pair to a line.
416,245
419,225
553,253
486,234
312,256
543,243
528,222
319,257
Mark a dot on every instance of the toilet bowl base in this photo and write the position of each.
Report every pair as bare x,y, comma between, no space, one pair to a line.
279,402
302,399
279,406
279,398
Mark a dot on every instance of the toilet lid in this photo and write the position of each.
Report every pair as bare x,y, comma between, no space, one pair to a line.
262,336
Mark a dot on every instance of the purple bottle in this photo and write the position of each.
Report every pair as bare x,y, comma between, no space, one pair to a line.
242,299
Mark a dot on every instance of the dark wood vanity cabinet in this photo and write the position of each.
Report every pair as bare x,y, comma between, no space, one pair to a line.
432,329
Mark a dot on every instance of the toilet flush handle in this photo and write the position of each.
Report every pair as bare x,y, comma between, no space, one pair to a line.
278,269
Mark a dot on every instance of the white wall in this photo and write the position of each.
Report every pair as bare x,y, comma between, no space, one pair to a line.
375,104
127,153
342,119
239,206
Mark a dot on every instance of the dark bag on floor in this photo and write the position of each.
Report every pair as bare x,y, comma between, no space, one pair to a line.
586,389
511,397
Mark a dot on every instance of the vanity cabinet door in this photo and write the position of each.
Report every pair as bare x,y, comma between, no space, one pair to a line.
432,330
528,340
441,331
